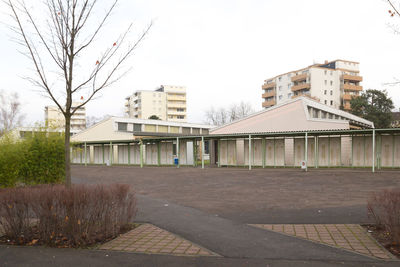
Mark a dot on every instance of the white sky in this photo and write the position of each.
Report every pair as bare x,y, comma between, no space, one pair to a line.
223,50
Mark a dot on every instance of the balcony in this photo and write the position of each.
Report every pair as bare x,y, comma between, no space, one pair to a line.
351,87
268,94
175,112
354,78
346,106
300,77
347,97
268,85
267,104
176,105
303,86
176,97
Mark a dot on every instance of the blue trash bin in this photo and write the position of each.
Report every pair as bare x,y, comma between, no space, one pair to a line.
176,161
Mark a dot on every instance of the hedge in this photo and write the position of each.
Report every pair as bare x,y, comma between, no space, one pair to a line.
38,159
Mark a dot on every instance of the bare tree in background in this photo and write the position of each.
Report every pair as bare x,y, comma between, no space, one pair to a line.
92,120
57,39
10,112
234,112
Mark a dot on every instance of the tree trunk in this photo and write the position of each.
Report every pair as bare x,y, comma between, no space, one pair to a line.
67,150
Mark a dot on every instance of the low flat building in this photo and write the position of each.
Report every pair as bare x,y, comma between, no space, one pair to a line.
120,128
299,114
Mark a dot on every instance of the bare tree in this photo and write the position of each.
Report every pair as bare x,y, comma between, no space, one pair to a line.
234,112
10,112
57,40
92,120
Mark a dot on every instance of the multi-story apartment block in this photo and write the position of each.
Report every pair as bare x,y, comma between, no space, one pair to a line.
54,118
332,83
166,102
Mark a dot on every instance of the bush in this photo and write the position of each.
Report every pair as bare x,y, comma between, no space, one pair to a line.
10,162
37,159
384,208
77,216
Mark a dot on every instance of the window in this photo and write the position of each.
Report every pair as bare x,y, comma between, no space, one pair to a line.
331,92
280,78
326,102
330,115
180,109
331,82
122,126
331,102
326,82
331,73
174,149
180,117
289,95
325,92
186,130
325,72
280,97
137,127
288,86
315,113
206,147
323,114
280,88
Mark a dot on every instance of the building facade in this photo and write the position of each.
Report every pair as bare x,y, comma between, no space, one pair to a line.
54,118
166,102
332,83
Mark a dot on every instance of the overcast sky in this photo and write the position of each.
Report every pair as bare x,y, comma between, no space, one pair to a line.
222,51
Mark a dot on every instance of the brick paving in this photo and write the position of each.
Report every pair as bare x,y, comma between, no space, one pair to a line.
346,236
150,239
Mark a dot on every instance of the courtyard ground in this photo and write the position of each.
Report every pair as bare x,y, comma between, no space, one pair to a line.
213,209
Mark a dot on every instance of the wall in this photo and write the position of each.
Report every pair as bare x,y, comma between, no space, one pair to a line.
322,151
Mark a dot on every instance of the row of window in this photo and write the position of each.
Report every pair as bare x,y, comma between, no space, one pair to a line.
138,127
289,95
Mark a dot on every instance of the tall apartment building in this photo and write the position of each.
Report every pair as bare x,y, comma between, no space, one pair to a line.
54,118
166,102
332,83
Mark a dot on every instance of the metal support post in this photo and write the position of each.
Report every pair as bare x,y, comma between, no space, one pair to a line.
85,154
373,150
315,151
219,153
111,153
194,153
129,154
102,149
202,152
158,153
329,151
274,153
177,152
306,149
141,153
263,152
250,158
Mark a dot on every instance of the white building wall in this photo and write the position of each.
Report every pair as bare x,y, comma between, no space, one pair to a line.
283,88
325,85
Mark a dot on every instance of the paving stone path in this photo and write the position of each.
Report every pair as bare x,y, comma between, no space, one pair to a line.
148,238
351,237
